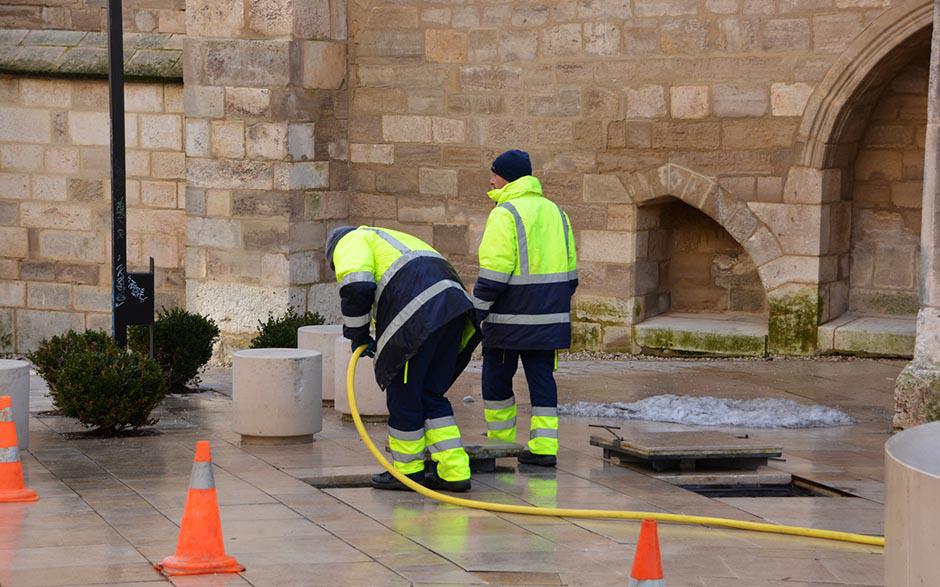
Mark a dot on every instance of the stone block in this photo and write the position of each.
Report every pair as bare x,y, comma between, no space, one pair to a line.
484,45
198,138
247,102
69,245
209,18
303,176
49,187
518,46
160,131
420,210
56,296
33,326
787,34
668,8
451,239
25,125
799,228
833,32
12,293
14,186
601,38
757,133
789,269
894,266
442,182
789,99
490,77
603,310
324,65
169,165
646,102
805,185
684,36
604,188
224,174
49,93
607,246
21,157
257,63
89,128
446,46
736,101
92,299
406,129
62,160
687,135
143,98
79,273
219,202
378,154
874,165
689,101
300,141
62,216
523,16
204,101
271,18
447,130
267,141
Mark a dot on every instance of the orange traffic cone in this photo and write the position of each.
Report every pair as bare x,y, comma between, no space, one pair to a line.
11,470
647,564
199,550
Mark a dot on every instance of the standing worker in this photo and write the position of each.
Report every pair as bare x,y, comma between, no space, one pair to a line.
425,334
528,273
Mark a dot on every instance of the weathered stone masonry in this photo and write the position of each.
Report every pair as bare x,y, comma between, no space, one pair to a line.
754,162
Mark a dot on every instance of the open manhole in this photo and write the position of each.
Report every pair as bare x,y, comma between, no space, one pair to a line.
796,487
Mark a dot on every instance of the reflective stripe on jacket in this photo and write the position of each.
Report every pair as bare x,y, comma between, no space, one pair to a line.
528,271
409,289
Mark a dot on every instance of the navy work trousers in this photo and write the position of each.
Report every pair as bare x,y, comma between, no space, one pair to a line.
417,393
499,366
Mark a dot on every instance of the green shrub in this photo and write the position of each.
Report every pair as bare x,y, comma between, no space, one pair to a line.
97,382
281,332
182,344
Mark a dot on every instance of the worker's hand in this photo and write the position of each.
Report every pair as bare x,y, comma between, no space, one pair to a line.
370,346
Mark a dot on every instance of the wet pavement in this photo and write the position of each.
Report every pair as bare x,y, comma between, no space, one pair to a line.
110,508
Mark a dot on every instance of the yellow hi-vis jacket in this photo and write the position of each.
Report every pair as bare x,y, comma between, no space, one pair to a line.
408,287
528,271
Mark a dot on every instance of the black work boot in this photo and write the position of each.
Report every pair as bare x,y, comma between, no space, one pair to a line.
529,458
386,481
433,481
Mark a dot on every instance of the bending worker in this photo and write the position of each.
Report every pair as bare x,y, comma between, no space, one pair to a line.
426,335
528,273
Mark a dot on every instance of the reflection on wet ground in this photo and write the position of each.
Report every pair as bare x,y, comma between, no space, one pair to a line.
110,507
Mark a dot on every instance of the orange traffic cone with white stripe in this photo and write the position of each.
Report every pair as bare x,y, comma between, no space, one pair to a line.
200,550
647,564
12,487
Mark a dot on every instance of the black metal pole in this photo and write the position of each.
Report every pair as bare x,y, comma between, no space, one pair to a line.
118,176
151,326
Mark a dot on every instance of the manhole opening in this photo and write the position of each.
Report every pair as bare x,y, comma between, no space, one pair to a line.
797,487
345,482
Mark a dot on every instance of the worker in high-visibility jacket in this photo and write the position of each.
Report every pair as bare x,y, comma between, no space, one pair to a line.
528,273
425,334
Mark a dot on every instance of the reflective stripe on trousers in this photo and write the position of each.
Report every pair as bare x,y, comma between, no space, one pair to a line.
443,440
543,433
407,448
500,418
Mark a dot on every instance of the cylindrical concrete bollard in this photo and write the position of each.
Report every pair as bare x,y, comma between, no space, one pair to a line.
912,519
370,399
322,339
276,393
14,381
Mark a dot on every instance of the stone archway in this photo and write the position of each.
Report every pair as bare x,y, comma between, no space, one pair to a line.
703,193
830,126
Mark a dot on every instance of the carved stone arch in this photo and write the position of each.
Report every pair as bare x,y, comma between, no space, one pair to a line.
837,111
660,184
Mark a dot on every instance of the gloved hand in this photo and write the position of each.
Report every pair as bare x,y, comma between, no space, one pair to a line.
370,346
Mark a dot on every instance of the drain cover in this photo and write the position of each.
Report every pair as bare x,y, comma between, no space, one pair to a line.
687,451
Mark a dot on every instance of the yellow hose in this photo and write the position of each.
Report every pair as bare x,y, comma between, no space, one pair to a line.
583,513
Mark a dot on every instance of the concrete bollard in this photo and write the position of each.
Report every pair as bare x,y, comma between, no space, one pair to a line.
277,396
322,339
14,381
912,519
369,397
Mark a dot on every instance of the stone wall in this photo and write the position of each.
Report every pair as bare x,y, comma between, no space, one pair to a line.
165,16
886,198
706,269
54,202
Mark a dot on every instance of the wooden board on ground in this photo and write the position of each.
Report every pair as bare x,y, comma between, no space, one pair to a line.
688,450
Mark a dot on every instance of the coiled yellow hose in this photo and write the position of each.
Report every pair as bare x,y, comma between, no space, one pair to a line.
583,513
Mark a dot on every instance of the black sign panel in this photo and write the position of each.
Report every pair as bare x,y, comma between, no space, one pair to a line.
138,305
